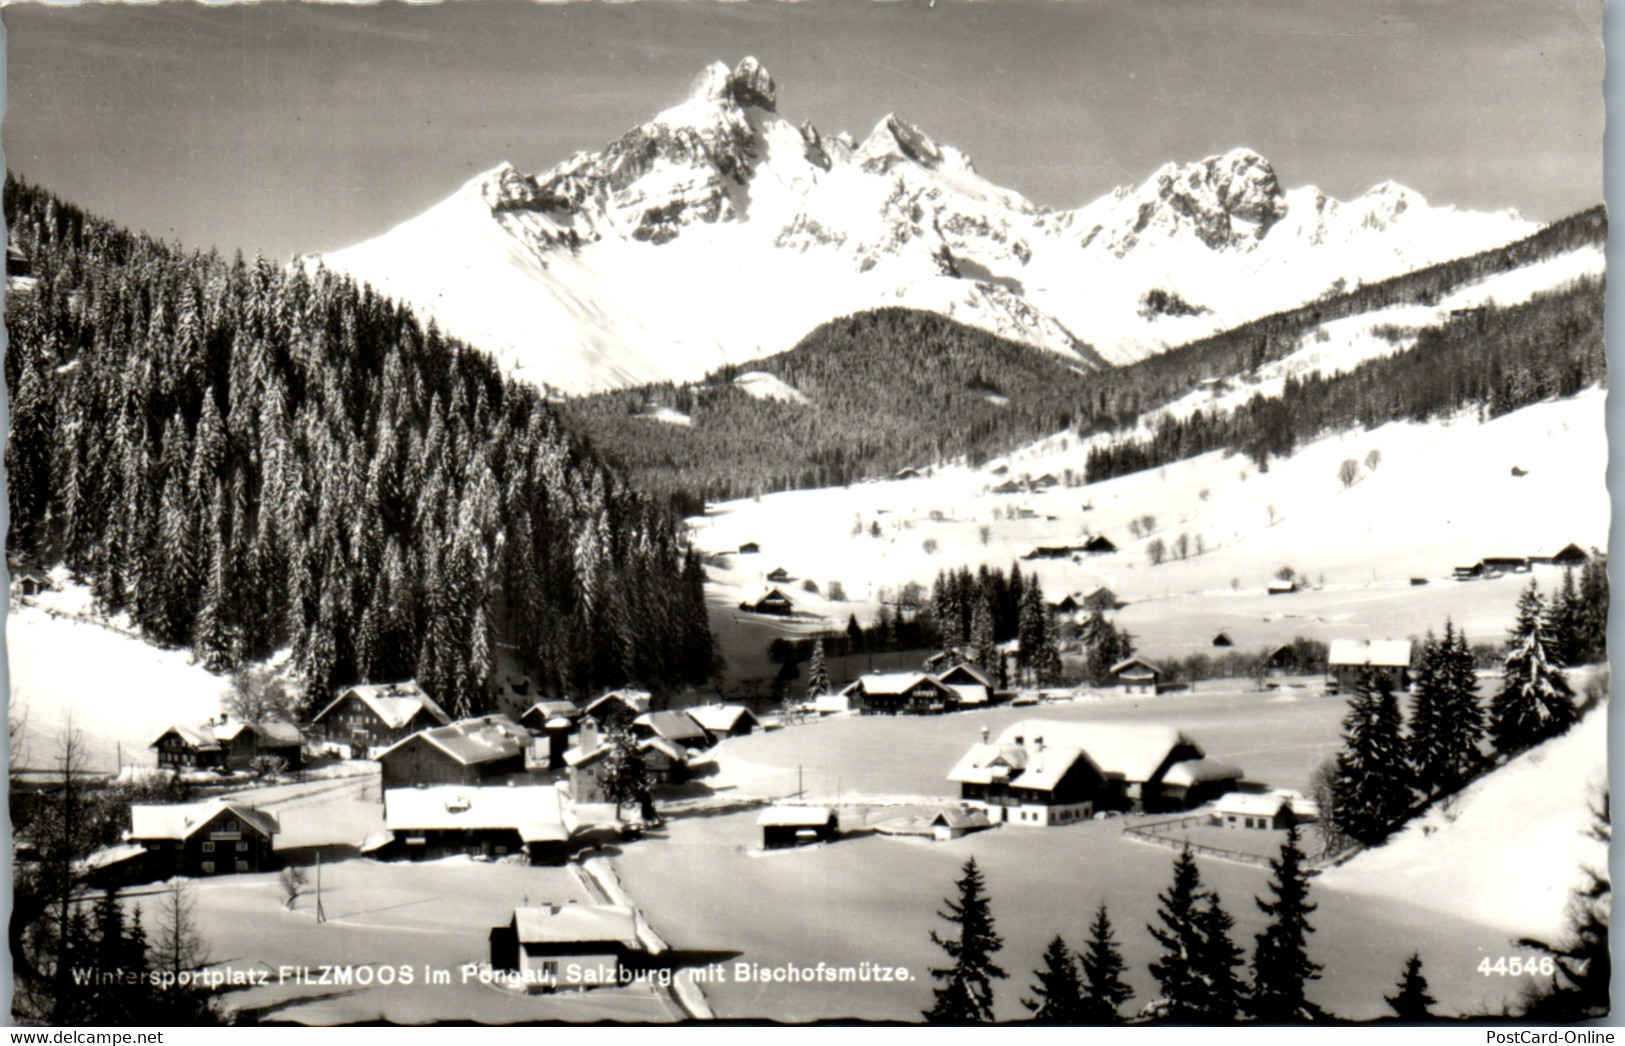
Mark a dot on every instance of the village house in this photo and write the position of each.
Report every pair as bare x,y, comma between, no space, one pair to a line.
367,718
467,752
780,576
725,720
797,826
1571,555
536,717
666,762
1388,659
1507,564
1472,573
775,602
618,706
543,946
677,727
971,686
1099,545
244,742
1223,639
493,821
1136,675
1268,811
215,837
1051,772
894,693
749,548
185,749
1100,599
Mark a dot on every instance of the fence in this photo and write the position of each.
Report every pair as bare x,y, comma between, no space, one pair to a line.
1158,833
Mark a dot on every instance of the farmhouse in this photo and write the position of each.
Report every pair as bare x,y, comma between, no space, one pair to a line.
780,576
1136,675
1009,486
1570,556
369,717
467,752
797,826
1050,772
677,727
1388,659
445,820
544,946
725,720
187,748
892,693
209,838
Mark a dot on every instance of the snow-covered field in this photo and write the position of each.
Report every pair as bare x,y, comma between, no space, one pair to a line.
1441,494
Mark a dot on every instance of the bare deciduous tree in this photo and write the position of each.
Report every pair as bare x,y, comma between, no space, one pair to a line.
1348,472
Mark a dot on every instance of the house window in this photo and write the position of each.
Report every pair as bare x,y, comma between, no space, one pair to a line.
208,848
242,866
208,867
241,847
231,826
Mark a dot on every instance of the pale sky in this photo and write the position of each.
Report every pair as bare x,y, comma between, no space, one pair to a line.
289,127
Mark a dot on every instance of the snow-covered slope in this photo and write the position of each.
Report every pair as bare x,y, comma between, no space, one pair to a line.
719,232
1509,850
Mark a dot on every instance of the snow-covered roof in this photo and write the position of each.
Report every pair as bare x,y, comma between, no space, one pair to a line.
960,817
976,674
673,726
1251,804
795,816
393,703
534,811
832,704
891,683
273,734
552,710
200,737
1034,750
473,741
720,719
1200,771
1146,668
183,820
637,700
668,748
969,693
577,924
1385,653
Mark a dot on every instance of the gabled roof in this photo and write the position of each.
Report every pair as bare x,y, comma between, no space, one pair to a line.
184,820
534,811
1200,771
795,816
1123,666
552,710
721,719
199,737
1382,653
976,675
959,817
393,703
473,741
893,683
968,693
673,726
577,924
1131,752
1249,804
670,749
637,700
272,735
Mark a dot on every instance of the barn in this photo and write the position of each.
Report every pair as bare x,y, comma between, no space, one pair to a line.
445,820
467,752
1388,659
569,945
784,826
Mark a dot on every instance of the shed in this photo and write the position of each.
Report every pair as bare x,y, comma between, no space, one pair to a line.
1282,588
780,576
31,584
1223,639
774,602
1269,811
749,548
543,946
797,826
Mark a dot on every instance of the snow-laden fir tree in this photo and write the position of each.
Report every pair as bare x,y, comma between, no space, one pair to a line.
1411,1000
1183,995
817,672
1459,727
1370,791
965,992
1037,653
1102,962
1281,965
1535,702
1222,994
1058,993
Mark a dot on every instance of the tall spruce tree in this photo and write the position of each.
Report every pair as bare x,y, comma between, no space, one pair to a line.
1281,965
1102,962
817,672
1180,936
1459,726
1222,993
1058,994
1411,1000
1535,702
965,993
1425,746
1371,791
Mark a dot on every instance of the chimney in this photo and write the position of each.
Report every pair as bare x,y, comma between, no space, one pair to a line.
558,741
1038,744
984,735
223,718
588,739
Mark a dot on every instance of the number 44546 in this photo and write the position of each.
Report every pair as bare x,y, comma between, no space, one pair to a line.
1517,966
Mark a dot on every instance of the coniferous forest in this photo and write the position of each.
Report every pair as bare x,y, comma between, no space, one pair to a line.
245,457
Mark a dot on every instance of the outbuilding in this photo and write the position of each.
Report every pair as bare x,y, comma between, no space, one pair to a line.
566,945
1388,660
797,826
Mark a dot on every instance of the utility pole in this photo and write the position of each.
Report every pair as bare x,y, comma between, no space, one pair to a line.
321,913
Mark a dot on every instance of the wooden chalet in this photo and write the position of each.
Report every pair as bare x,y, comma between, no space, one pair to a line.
1387,659
217,837
618,706
1136,675
1052,772
537,716
677,727
1472,573
540,946
749,548
367,718
784,826
972,686
666,762
468,752
186,749
1099,545
775,602
1067,604
900,693
725,720
1507,564
31,584
1009,486
17,262
244,742
1100,599
1223,639
1571,556
490,821
780,576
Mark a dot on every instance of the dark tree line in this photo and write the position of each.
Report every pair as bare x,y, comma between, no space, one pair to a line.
1498,360
244,457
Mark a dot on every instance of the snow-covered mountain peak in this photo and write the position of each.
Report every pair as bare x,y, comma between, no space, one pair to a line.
720,232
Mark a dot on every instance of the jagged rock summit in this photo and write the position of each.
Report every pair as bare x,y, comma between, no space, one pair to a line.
720,232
